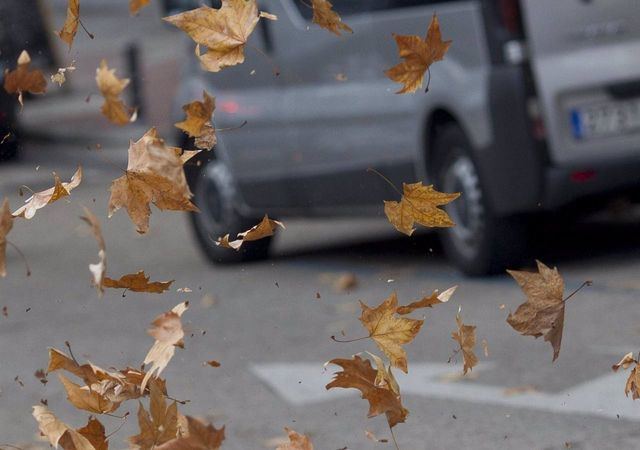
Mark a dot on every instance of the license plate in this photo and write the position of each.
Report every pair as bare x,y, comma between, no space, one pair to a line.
606,119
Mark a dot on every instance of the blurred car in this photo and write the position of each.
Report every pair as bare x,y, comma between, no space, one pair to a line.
535,107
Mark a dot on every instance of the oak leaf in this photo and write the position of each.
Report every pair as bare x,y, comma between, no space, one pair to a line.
136,5
198,436
428,301
296,441
41,199
70,27
224,31
542,314
111,88
265,228
95,434
23,80
419,204
158,425
167,330
98,269
59,433
327,18
6,223
357,373
138,282
198,122
466,339
633,382
418,55
155,174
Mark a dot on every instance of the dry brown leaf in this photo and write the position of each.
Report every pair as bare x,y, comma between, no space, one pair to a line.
223,31
633,382
296,441
213,363
208,139
466,338
327,18
265,228
94,432
390,331
159,425
23,80
41,199
428,302
542,314
6,223
419,204
60,76
198,122
59,433
83,397
111,88
99,269
166,329
155,174
138,282
198,436
136,5
418,55
357,373
70,27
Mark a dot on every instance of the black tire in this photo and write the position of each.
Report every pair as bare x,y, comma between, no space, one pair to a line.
215,195
8,150
481,243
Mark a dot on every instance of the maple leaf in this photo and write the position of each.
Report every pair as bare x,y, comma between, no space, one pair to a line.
418,55
357,373
198,436
70,27
428,301
41,199
296,441
390,331
138,282
419,204
155,174
542,314
111,88
223,31
158,427
94,432
633,382
59,433
198,122
23,80
167,330
466,338
327,18
136,5
6,223
99,269
83,397
265,228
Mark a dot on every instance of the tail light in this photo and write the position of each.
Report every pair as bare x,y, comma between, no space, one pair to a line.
510,17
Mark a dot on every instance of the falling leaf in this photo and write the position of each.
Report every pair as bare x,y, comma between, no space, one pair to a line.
23,80
633,382
208,139
418,55
419,204
198,436
372,437
83,397
466,338
5,311
428,302
166,329
60,76
213,363
95,434
138,282
296,441
70,27
59,433
155,174
111,88
184,289
41,375
224,31
6,223
159,427
345,282
98,269
327,18
265,228
136,5
198,122
542,314
41,199
357,373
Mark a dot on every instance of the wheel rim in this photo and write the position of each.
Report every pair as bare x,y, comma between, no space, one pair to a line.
468,211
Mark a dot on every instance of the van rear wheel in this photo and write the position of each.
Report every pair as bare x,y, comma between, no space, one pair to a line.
482,242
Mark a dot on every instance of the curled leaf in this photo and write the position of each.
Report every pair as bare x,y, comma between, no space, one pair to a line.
327,18
138,282
265,228
58,432
41,199
428,301
70,27
466,339
633,382
111,88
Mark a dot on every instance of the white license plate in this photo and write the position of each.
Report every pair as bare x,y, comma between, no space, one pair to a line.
606,119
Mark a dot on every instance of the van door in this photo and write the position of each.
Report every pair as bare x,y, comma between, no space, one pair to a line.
584,55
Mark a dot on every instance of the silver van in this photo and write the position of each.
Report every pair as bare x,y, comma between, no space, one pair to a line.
535,107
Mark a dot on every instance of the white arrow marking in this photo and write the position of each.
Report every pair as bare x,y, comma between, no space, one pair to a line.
303,383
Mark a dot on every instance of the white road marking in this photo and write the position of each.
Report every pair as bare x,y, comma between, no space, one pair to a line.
303,383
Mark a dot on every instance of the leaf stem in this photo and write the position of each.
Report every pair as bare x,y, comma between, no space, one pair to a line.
124,420
68,345
371,169
232,128
586,283
393,436
335,339
428,80
24,258
85,29
182,402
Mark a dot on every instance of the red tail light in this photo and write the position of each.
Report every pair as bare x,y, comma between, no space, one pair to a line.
510,16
